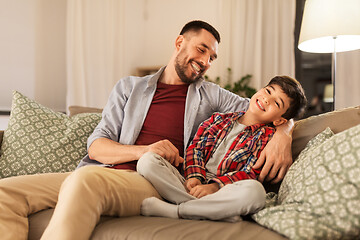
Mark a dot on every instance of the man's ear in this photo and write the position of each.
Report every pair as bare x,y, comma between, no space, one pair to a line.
179,40
279,121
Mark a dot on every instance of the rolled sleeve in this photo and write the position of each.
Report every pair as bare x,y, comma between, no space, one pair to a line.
112,116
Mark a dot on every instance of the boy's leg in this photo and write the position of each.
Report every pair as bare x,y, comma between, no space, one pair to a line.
91,191
240,198
164,177
23,195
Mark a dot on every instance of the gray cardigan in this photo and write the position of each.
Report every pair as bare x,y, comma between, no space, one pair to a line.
130,99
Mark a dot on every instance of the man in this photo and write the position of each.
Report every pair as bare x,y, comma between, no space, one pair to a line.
158,113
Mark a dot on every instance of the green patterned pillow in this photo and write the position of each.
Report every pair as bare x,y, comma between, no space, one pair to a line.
319,197
39,140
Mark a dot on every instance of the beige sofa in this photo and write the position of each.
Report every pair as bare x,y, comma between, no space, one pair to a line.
139,227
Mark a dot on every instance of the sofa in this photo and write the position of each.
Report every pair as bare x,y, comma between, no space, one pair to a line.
140,227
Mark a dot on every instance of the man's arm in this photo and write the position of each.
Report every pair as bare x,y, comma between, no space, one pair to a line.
107,151
276,158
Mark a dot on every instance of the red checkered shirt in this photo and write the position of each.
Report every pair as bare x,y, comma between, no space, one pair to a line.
240,157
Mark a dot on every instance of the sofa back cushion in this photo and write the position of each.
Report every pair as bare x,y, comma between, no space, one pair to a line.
73,110
319,197
308,128
39,140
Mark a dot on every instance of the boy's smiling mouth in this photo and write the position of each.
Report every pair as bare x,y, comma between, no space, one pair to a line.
258,103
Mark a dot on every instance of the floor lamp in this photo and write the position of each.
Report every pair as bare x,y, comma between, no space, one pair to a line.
330,26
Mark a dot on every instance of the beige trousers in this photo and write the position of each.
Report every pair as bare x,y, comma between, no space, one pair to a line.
80,198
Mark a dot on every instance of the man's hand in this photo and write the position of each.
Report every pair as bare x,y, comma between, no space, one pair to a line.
167,150
202,190
191,183
276,157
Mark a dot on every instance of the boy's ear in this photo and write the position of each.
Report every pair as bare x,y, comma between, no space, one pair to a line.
179,40
279,121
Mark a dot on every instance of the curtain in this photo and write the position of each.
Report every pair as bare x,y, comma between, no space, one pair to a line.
94,46
259,39
347,85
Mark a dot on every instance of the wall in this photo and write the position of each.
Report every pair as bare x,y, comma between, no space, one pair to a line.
158,23
33,44
32,47
347,92
17,41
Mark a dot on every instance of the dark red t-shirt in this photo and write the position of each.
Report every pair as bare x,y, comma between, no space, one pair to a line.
164,120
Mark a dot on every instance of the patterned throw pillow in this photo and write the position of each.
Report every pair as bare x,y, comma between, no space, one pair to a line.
319,197
39,140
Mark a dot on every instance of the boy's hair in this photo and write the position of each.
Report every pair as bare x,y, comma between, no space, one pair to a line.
197,25
293,89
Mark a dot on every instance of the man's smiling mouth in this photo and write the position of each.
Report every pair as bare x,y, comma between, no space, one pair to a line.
196,67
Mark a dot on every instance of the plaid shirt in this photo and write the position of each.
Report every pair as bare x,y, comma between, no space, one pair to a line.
240,157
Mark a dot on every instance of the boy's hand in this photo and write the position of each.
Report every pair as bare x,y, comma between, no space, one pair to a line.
202,190
167,150
191,183
276,158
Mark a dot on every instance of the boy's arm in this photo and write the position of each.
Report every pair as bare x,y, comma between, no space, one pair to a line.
196,153
276,158
248,161
242,174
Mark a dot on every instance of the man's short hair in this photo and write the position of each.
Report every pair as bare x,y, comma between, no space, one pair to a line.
293,89
197,25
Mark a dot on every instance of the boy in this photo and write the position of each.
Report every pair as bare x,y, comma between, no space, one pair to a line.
218,169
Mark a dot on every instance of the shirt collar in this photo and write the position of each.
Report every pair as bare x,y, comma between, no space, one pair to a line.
252,128
154,79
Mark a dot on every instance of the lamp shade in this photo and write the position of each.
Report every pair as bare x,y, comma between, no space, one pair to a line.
329,22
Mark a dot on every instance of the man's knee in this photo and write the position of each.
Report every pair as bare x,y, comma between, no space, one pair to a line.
85,176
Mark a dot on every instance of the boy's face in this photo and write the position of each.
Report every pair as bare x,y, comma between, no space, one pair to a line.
269,104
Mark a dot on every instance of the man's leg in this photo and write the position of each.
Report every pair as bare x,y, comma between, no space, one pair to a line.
23,195
91,191
164,177
239,198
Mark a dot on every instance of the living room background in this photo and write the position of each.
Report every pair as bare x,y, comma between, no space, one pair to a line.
35,37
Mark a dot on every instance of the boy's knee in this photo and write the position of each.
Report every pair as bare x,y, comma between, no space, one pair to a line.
253,189
148,163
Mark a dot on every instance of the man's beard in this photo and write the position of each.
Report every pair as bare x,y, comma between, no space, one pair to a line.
181,70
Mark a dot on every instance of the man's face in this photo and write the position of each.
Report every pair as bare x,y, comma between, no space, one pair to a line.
195,55
269,104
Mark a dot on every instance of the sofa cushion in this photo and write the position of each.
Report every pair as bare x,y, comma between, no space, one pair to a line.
308,128
160,228
39,140
319,197
73,110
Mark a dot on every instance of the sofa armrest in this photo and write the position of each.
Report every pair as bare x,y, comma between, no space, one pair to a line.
1,136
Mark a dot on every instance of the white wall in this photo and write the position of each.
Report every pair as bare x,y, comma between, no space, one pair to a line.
17,51
32,51
347,91
33,43
153,25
